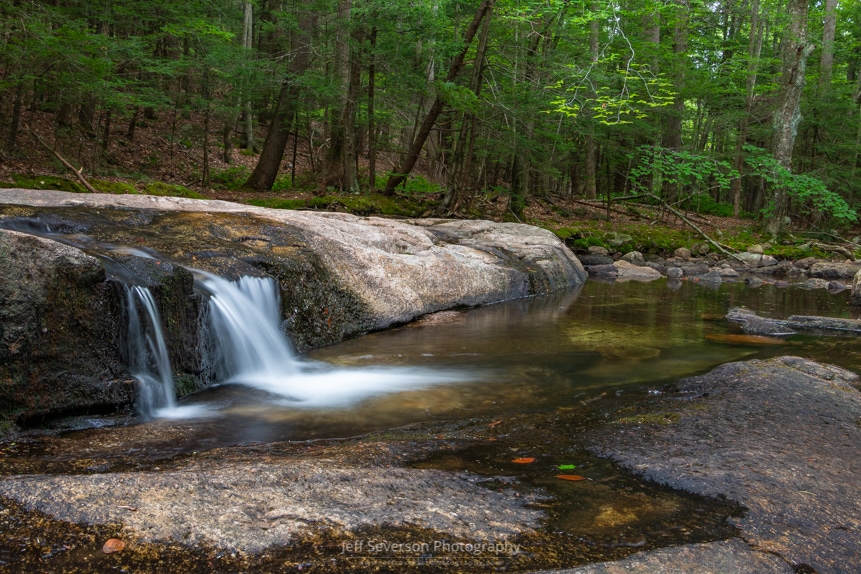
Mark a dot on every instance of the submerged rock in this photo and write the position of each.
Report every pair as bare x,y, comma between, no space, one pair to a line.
780,437
754,324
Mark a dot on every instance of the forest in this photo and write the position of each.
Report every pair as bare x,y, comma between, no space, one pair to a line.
749,108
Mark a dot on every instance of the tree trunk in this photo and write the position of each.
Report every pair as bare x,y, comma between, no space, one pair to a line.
787,116
590,190
266,171
754,47
412,157
460,158
372,136
247,43
12,141
335,160
350,182
826,59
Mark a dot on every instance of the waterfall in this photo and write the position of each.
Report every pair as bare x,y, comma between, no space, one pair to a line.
149,362
245,326
247,347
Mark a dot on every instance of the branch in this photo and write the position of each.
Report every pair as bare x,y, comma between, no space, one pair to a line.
78,172
691,224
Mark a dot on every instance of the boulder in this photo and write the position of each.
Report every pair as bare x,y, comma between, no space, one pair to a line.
756,249
589,260
757,259
805,263
597,250
682,253
340,276
59,331
779,437
630,272
830,270
634,258
675,273
855,297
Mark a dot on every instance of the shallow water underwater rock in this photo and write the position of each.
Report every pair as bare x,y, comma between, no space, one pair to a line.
249,505
780,437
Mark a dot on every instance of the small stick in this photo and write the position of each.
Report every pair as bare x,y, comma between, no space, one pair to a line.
78,172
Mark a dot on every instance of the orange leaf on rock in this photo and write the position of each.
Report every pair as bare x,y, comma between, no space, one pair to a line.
113,545
570,477
525,460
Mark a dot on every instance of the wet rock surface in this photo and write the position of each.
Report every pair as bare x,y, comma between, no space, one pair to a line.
248,504
780,437
340,276
731,556
757,325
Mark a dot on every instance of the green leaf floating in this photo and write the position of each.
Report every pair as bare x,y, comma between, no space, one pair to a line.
566,466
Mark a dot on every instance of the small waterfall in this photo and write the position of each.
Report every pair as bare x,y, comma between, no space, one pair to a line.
149,362
248,347
245,324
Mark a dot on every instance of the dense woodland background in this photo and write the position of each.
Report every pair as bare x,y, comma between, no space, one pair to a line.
739,106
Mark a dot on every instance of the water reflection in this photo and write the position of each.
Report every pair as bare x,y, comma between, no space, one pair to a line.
540,354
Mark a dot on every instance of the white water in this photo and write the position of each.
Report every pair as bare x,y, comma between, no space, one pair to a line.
149,362
251,349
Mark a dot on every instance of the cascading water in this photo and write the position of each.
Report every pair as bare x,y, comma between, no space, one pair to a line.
149,362
148,359
249,348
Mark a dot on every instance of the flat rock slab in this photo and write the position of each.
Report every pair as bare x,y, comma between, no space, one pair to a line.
725,557
249,506
756,325
780,437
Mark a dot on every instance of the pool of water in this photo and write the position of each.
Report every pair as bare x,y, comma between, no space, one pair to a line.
542,369
535,355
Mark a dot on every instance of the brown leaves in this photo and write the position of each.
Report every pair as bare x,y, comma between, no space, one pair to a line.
572,477
735,339
525,460
113,545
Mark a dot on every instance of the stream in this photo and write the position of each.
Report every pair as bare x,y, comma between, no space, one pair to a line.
573,356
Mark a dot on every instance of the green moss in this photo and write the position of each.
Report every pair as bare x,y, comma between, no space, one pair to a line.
116,187
356,204
46,182
167,189
231,177
651,419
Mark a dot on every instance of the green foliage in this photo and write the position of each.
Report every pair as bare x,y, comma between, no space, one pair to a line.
231,177
693,173
809,193
413,185
705,204
47,182
115,187
171,190
356,204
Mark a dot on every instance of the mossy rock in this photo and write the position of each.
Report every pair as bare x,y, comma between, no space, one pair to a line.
115,187
355,204
46,182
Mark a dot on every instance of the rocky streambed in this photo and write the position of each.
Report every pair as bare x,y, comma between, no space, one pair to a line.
751,467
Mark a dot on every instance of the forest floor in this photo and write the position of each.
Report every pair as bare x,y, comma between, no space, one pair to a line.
165,157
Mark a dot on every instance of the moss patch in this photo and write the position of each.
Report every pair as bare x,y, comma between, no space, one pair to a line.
355,204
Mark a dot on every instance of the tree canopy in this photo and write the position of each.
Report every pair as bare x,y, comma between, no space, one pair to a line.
753,103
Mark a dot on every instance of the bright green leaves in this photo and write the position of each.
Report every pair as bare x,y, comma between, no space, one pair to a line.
808,193
627,95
